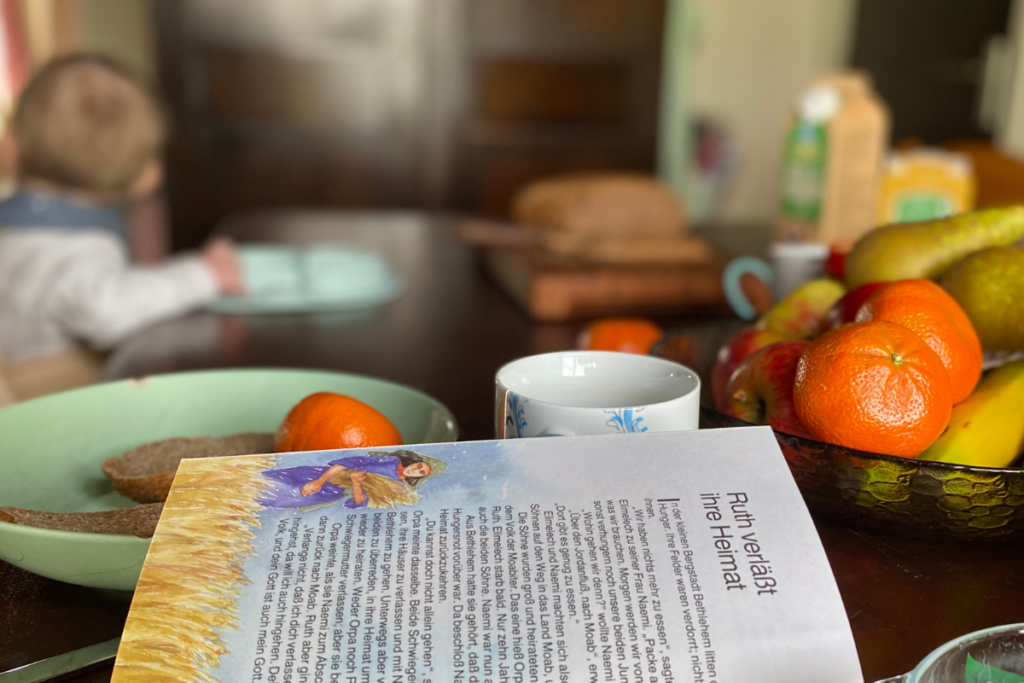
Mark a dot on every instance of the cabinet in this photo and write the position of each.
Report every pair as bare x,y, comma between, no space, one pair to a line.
437,104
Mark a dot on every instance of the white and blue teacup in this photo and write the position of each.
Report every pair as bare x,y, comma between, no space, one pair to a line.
584,393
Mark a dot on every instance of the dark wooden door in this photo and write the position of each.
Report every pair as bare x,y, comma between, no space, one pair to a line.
296,103
399,103
554,87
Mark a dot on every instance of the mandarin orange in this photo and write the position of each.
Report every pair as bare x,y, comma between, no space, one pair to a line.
628,335
873,386
327,420
933,315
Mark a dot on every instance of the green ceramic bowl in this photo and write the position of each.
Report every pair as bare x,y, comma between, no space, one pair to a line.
52,448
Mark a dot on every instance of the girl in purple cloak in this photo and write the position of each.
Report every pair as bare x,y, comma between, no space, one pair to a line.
374,480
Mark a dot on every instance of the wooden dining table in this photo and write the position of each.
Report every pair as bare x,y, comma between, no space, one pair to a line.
447,335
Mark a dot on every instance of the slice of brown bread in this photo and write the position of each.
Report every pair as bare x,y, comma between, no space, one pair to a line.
606,205
144,474
139,520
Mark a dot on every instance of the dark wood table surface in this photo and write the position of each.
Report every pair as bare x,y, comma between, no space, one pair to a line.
446,336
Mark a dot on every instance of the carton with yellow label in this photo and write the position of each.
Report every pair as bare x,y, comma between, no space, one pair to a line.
924,184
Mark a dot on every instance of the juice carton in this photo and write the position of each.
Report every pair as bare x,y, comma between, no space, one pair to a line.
833,162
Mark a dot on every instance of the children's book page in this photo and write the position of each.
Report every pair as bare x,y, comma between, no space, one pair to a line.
655,558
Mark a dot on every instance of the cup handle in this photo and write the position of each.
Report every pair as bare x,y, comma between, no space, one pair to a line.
732,284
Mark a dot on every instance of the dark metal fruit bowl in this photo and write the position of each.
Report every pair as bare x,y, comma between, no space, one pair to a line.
902,496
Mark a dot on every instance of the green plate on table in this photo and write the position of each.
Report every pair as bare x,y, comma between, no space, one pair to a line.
52,449
311,279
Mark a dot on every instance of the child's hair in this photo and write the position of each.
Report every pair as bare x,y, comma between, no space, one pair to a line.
84,122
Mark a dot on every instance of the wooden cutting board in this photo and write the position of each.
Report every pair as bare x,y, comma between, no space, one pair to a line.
681,249
551,288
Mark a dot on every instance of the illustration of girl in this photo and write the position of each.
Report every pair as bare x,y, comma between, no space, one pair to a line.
375,480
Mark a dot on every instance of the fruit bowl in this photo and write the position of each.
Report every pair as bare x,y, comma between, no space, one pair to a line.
915,498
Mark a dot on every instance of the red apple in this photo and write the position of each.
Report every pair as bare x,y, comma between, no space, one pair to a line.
761,389
845,310
797,316
835,264
742,344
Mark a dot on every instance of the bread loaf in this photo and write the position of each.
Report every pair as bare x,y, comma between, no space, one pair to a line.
605,205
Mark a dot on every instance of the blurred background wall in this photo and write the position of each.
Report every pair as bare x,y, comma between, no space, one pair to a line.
454,104
750,60
123,29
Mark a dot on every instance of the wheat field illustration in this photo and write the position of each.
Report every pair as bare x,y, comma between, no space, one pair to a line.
193,578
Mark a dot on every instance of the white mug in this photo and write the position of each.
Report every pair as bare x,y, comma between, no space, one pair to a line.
582,393
796,263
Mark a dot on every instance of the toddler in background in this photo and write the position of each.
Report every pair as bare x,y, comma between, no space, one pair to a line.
88,139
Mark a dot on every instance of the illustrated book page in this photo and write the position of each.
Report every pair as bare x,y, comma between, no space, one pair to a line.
654,558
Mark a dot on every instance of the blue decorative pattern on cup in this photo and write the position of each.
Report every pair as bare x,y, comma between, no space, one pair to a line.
625,421
516,413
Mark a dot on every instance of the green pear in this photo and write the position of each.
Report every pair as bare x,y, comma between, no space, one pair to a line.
989,286
906,251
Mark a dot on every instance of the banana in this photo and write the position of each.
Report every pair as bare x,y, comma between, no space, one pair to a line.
987,429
